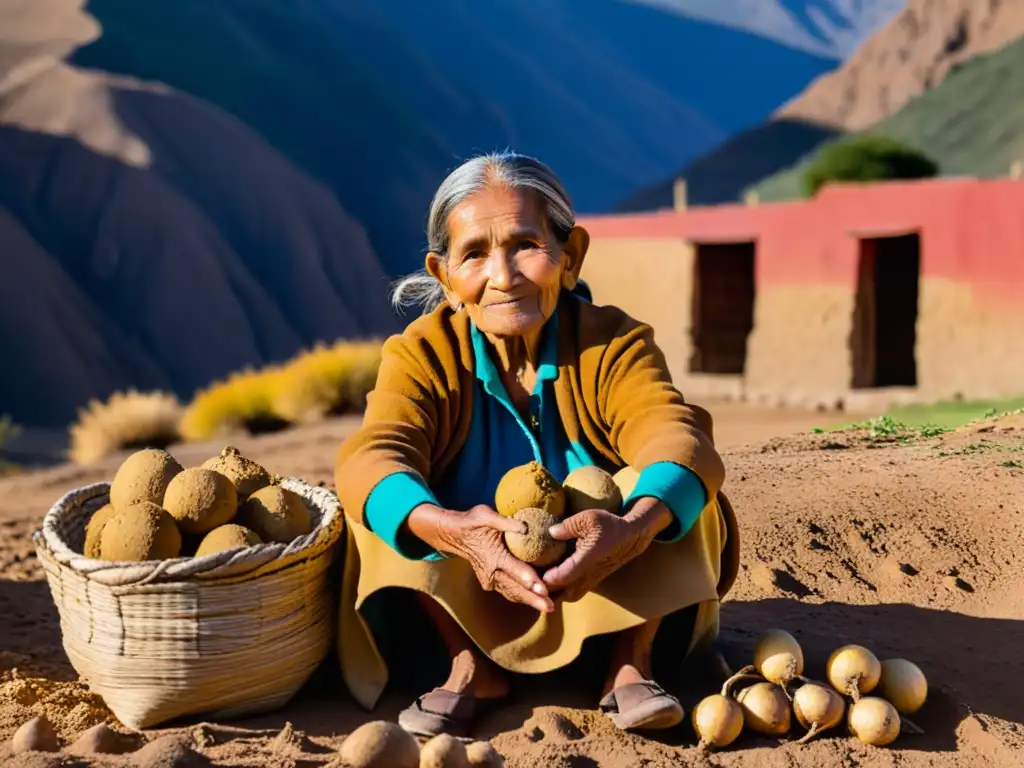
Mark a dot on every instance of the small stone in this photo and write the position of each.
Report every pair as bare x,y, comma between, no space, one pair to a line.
169,752
37,735
102,740
444,751
908,569
482,755
955,582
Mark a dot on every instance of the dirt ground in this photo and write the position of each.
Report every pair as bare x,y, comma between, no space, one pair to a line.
913,547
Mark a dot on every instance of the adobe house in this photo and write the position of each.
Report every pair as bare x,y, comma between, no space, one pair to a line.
895,291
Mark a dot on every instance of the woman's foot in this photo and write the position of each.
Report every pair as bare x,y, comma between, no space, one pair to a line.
632,700
473,674
473,683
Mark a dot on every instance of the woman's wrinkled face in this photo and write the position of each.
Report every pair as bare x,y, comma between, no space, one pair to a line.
505,266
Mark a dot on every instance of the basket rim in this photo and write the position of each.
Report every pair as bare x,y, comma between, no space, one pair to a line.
230,564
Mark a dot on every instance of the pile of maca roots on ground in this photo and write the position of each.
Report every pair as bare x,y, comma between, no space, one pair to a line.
776,691
780,692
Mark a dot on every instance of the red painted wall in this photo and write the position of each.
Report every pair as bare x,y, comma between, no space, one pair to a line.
971,231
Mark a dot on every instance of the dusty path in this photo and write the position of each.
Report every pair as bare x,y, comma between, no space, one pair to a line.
914,548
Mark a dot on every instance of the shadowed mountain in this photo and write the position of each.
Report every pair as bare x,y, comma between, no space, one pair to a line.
198,251
723,174
378,99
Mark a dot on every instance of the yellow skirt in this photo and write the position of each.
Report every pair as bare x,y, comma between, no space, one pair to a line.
696,570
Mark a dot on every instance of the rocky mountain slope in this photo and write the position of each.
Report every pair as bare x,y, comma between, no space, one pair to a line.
971,125
910,55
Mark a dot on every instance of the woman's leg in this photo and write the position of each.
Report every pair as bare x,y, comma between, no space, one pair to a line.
631,656
632,699
474,678
472,672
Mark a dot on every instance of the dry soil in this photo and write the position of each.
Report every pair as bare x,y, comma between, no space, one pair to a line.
912,547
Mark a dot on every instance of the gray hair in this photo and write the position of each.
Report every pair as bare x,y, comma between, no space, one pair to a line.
507,169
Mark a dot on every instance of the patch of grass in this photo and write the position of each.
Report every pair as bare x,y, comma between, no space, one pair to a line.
127,420
952,414
1012,464
976,448
886,428
932,419
316,383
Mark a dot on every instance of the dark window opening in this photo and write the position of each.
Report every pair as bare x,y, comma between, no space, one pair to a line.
885,313
722,307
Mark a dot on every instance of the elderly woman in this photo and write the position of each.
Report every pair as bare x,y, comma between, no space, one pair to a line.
510,365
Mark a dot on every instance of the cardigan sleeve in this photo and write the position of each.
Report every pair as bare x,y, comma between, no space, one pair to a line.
649,423
399,430
679,489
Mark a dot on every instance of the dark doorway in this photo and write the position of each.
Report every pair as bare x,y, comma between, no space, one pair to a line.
722,307
884,332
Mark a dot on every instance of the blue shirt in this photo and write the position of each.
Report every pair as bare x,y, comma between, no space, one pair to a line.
499,439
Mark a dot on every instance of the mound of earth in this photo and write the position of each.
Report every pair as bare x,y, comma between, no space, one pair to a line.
909,545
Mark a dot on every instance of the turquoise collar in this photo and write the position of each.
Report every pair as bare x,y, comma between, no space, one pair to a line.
487,372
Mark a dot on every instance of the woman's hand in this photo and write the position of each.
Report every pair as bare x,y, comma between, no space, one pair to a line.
477,536
604,543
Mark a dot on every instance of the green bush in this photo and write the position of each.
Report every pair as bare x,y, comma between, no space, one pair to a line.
866,158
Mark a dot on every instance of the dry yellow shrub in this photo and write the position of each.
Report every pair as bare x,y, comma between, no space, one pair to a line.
126,421
239,402
316,383
326,380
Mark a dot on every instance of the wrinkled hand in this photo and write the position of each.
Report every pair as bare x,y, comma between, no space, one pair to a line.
477,536
604,543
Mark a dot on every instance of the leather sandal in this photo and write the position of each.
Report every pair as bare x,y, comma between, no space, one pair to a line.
440,711
644,705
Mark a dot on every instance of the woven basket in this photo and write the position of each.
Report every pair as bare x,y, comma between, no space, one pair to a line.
223,635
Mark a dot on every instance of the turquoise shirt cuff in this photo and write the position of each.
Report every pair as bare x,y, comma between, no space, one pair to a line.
389,505
679,489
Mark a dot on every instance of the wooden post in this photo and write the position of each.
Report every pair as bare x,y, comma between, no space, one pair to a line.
1017,170
679,202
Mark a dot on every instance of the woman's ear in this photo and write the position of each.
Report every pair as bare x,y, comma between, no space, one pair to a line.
434,264
575,250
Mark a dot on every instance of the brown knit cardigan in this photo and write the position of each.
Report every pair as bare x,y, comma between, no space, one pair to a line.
613,389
